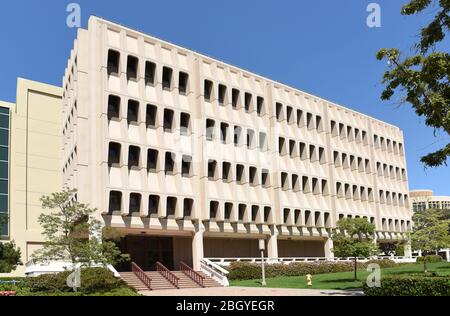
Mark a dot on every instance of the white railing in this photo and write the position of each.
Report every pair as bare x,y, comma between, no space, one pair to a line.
224,262
214,271
34,268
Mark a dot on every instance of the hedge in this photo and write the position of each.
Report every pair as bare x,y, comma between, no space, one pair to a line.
429,259
410,285
250,271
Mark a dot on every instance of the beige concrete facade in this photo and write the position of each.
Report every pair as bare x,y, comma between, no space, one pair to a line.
35,155
424,199
164,141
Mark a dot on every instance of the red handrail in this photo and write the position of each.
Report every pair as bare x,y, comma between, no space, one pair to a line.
172,278
191,273
141,275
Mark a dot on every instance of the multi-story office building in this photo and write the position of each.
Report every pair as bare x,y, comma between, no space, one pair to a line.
424,199
194,158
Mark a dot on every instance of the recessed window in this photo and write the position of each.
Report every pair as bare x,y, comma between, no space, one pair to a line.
226,172
312,153
228,210
290,114
295,183
133,156
303,151
322,158
300,118
260,106
167,78
208,90
324,187
265,179
171,206
255,210
224,132
153,204
135,203
152,160
222,94
186,166
319,125
309,121
151,116
168,120
242,210
305,185
284,181
213,209
113,62
169,165
292,148
212,166
252,176
115,201
132,68
286,215
237,135
113,107
279,111
281,146
262,141
210,124
240,179
235,98
250,138
150,69
187,208
350,135
114,153
333,128
248,102
183,83
185,124
267,213
133,112
342,131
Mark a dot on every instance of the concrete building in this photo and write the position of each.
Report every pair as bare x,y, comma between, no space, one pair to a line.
30,161
195,158
424,199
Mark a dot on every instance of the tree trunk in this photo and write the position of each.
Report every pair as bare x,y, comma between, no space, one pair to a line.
356,268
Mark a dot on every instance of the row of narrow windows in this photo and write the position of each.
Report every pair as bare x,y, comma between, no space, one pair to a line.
348,132
239,100
388,145
154,204
354,192
244,213
353,162
152,119
395,224
305,184
296,217
302,150
392,198
298,117
370,220
389,171
225,135
150,72
227,172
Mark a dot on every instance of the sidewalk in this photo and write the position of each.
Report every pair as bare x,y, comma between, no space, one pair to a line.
249,291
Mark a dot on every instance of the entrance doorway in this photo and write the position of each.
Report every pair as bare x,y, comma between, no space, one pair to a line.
145,251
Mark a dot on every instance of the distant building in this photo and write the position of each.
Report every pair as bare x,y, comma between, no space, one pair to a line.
424,199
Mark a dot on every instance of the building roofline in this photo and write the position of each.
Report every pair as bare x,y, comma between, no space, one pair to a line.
245,70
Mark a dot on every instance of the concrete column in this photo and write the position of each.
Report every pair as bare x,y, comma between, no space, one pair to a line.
447,255
197,246
272,246
407,249
328,246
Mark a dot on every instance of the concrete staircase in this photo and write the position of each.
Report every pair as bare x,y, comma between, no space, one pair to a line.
159,282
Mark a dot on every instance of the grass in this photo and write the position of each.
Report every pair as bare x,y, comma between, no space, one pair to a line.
341,280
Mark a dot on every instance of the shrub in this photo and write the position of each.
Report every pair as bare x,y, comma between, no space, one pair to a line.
383,263
410,285
429,258
250,271
92,280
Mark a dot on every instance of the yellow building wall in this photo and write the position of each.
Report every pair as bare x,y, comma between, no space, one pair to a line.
36,144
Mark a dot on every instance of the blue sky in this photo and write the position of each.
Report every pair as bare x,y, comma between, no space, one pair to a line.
323,47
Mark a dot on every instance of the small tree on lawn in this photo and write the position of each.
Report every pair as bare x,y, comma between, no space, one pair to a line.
72,233
9,253
430,232
353,237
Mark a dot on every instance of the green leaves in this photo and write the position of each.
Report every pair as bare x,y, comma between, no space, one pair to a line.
73,233
9,257
430,230
423,79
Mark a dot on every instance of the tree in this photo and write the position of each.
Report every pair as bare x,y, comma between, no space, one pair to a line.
430,232
424,77
9,253
72,233
353,237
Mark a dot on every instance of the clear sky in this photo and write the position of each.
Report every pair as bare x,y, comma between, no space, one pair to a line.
323,47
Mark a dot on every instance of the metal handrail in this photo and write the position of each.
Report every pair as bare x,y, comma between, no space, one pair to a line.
141,275
191,273
172,278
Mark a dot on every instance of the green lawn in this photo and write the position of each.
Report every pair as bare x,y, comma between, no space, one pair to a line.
342,280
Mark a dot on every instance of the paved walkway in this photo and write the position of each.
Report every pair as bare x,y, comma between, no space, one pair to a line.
249,291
